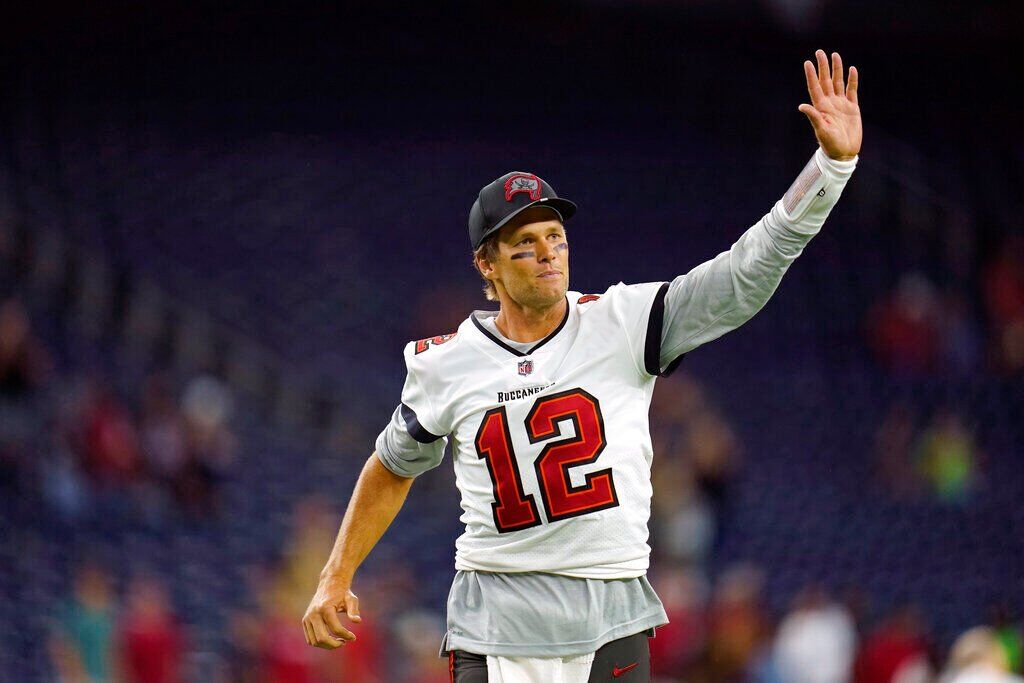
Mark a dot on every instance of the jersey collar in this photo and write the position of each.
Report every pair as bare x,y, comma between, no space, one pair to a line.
487,333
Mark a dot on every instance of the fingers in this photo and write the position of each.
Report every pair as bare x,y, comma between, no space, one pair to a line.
837,74
815,117
334,623
813,84
352,607
851,88
307,631
321,635
824,76
322,626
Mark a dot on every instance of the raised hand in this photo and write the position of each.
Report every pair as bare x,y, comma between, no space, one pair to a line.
833,112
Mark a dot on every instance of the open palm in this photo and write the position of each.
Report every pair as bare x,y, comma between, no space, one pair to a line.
833,112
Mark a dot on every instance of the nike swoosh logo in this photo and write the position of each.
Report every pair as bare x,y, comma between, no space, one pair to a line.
616,672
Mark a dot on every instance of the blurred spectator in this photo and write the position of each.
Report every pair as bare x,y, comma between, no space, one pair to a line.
714,452
206,406
903,330
895,648
162,433
677,400
682,521
894,442
737,623
816,641
152,644
61,481
1003,287
81,643
976,657
242,661
283,654
111,444
1010,637
23,361
946,456
678,644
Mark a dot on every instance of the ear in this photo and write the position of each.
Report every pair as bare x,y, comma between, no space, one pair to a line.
485,266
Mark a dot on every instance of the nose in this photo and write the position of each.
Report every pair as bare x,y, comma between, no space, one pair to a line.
545,251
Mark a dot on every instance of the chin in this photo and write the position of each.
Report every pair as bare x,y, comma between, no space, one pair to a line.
543,298
553,294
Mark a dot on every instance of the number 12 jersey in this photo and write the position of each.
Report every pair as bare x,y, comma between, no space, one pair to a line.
550,441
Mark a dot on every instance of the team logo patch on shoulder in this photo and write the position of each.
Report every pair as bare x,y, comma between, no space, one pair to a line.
525,367
587,298
424,344
526,183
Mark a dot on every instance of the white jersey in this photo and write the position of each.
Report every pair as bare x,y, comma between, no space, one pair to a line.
550,441
551,447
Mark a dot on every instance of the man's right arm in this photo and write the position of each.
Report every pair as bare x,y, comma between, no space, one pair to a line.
378,496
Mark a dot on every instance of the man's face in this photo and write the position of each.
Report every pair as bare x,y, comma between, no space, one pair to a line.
532,265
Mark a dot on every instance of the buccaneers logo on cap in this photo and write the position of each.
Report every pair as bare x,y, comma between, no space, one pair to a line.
526,183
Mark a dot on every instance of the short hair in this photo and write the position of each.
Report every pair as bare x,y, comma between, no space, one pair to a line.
488,250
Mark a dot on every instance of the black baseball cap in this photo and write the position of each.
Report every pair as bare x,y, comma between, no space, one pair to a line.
507,197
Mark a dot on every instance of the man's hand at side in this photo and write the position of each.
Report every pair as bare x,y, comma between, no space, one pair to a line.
833,112
322,625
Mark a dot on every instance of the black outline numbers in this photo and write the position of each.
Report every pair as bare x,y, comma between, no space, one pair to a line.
513,509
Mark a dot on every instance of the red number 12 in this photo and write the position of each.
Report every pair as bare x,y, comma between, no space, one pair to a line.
513,509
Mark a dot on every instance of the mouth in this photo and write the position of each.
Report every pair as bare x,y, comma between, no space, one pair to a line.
550,274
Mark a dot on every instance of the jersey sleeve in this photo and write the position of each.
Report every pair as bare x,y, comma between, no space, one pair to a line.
415,438
640,311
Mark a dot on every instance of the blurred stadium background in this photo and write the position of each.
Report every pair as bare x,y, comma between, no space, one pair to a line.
218,227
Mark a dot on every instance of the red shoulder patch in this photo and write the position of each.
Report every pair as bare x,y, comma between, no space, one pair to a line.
586,298
424,344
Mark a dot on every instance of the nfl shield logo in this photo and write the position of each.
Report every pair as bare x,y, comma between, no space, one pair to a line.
525,367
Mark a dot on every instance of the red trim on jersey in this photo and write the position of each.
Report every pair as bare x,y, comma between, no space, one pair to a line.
424,344
451,665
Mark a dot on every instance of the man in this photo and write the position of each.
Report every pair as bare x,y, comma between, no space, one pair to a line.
545,403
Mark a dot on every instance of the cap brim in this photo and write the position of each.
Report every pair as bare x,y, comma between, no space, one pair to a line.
564,207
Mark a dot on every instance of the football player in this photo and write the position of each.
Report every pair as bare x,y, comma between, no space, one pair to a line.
545,404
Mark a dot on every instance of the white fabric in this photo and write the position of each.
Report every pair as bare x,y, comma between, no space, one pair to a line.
600,352
539,669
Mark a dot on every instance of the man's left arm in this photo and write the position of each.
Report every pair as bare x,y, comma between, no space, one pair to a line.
723,293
